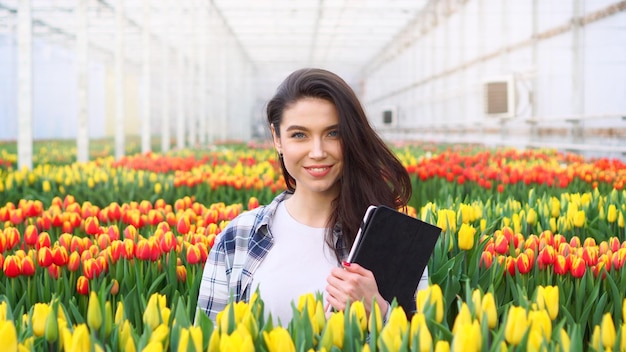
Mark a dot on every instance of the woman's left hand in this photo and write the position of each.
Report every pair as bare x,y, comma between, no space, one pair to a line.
353,283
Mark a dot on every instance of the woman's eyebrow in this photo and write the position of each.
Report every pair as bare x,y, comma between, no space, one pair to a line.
302,128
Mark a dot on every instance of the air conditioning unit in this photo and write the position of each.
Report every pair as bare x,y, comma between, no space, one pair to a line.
499,97
390,117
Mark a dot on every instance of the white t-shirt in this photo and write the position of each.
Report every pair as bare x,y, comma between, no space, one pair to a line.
298,263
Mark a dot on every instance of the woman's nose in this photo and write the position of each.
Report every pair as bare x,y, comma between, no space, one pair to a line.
317,150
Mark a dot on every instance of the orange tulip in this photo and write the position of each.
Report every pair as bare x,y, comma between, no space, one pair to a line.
193,254
561,265
181,273
184,225
59,255
73,262
28,266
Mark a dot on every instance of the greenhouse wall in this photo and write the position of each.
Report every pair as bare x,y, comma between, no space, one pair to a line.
569,79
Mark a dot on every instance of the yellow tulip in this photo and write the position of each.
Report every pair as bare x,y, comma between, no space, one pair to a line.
548,299
279,340
442,346
378,319
535,340
154,346
320,318
540,321
434,296
595,338
236,342
119,313
419,330
195,332
156,312
516,325
466,237
183,340
94,312
357,312
214,341
620,219
8,335
46,186
555,207
607,329
239,309
531,217
477,303
579,218
160,334
462,318
390,340
108,318
333,332
38,318
3,308
125,330
80,339
565,341
489,310
467,337
307,301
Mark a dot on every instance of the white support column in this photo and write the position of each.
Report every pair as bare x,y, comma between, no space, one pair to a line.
192,82
202,96
578,70
82,80
25,85
180,102
223,86
165,77
145,111
120,131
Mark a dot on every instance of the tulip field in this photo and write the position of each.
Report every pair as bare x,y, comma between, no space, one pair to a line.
108,255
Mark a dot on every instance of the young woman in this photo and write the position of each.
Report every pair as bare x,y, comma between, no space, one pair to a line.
335,166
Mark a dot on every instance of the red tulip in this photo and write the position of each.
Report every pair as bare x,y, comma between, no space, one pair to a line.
546,257
502,245
184,225
12,237
115,212
130,232
73,262
114,232
43,240
618,259
590,255
82,285
523,263
59,255
103,241
28,266
115,288
129,249
167,242
12,266
54,271
116,250
193,254
91,268
92,226
65,240
577,267
30,235
486,260
45,221
44,257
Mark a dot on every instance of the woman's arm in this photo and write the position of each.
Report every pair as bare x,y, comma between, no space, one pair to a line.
214,287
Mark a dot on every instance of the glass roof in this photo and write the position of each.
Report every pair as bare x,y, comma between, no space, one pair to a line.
277,36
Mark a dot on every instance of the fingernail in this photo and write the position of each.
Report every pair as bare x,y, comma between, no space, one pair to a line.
345,263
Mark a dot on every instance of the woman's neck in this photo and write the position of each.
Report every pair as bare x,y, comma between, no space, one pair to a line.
310,211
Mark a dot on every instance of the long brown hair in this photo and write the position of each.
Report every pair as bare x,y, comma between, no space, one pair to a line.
371,174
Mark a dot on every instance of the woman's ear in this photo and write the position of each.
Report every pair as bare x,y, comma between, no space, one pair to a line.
276,139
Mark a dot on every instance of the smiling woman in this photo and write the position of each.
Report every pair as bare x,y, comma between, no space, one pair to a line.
335,166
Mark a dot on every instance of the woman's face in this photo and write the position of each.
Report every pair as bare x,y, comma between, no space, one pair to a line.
311,146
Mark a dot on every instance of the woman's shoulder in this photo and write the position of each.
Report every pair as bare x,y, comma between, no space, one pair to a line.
248,223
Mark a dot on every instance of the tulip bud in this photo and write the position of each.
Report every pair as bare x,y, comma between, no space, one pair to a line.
548,299
466,237
419,330
278,340
8,335
607,330
38,318
464,317
517,324
611,215
82,285
488,305
51,332
94,312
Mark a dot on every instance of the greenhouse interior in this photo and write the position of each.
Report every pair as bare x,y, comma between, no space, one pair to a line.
134,132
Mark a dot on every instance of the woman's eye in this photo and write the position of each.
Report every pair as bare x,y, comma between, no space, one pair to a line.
334,133
297,135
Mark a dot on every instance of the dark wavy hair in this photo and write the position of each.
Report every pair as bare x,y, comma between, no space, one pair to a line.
371,173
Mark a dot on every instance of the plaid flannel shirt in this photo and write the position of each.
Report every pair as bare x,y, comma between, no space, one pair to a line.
237,253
